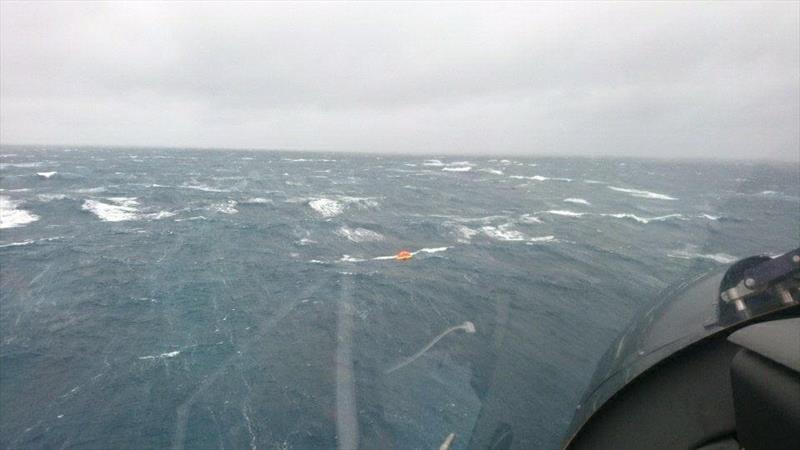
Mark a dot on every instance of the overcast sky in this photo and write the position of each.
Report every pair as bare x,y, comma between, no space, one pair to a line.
639,79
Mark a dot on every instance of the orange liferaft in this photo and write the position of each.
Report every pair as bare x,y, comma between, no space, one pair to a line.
403,255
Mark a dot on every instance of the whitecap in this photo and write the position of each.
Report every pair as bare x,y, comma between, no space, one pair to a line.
124,201
430,250
326,207
594,182
457,169
539,178
768,192
348,258
46,175
503,232
50,197
642,194
160,215
466,233
257,201
644,220
228,207
542,239
11,216
110,213
162,355
527,218
95,190
17,244
492,171
363,202
578,201
559,212
709,217
359,234
433,163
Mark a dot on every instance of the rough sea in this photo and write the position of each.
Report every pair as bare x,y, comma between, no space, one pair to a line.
156,298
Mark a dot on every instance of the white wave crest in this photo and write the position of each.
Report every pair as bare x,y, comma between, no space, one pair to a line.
362,202
162,355
492,171
17,244
577,201
430,250
527,218
542,239
359,234
326,207
124,201
160,215
50,197
465,233
257,201
567,213
457,169
433,163
642,194
110,213
11,216
644,220
539,178
348,258
503,232
228,207
46,175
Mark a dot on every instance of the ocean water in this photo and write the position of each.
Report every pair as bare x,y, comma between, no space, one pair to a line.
155,298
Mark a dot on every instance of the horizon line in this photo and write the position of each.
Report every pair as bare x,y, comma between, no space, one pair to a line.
418,154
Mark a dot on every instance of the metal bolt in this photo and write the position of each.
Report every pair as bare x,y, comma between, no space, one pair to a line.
750,283
796,259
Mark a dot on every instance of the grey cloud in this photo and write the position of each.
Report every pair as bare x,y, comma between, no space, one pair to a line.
712,80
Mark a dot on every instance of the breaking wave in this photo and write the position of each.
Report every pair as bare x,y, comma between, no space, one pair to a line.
642,194
326,207
11,216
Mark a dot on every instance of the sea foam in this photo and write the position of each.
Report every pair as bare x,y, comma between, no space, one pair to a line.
359,234
110,213
11,216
